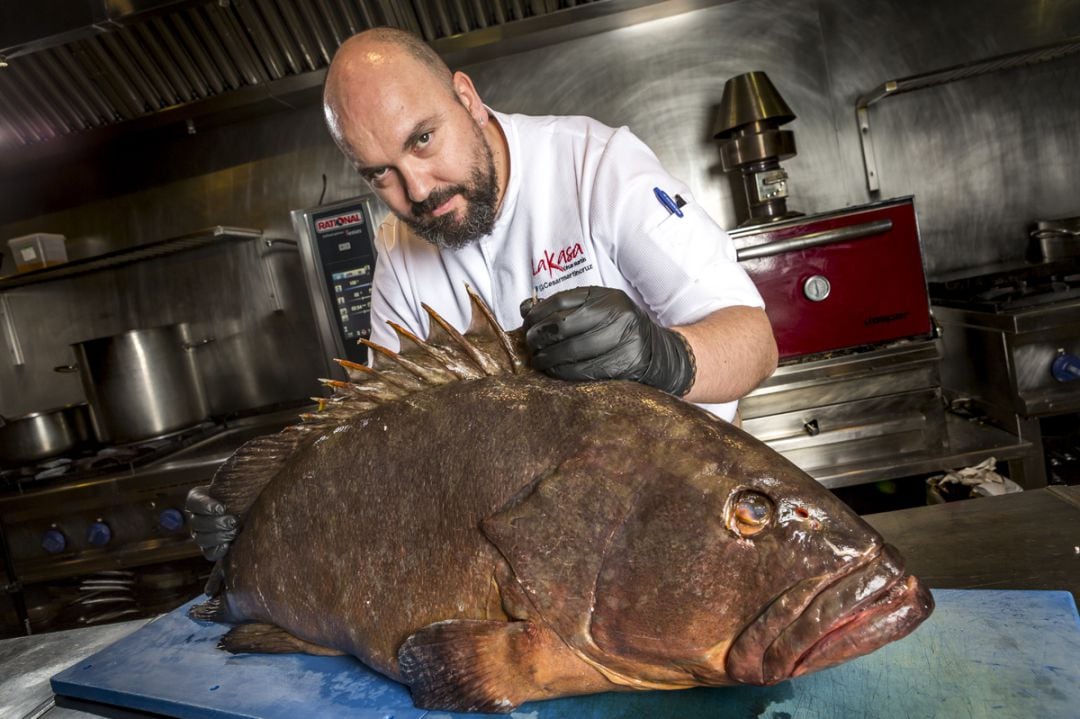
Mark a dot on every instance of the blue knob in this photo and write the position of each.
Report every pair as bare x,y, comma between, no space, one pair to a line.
1066,367
53,541
98,534
171,520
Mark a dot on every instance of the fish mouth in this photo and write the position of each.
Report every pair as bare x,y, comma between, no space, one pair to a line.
806,630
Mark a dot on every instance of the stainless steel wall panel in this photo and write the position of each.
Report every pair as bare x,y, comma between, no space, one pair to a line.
983,156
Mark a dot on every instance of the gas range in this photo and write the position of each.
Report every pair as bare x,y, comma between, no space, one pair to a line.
1009,287
1011,336
117,509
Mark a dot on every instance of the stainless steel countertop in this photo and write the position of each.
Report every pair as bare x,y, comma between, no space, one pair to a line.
1029,540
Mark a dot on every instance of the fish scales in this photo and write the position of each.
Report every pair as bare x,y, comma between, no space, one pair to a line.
500,536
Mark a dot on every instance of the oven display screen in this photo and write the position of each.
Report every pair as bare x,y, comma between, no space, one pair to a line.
346,259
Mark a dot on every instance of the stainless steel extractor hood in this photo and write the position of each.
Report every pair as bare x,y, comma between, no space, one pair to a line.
74,66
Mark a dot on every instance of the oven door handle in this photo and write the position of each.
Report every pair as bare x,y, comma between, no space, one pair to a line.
815,239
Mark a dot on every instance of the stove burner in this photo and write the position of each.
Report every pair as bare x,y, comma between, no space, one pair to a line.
92,463
1013,288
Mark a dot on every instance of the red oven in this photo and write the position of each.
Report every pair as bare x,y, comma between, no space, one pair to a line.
840,280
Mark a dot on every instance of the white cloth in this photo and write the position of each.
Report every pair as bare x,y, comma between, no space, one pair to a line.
579,209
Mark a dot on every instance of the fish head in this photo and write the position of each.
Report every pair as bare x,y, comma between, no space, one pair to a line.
735,566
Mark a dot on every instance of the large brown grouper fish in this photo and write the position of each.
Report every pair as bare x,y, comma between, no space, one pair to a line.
490,536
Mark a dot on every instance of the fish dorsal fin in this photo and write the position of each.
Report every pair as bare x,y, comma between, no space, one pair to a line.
445,356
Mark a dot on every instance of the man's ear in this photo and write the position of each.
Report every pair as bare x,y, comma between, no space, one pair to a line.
468,97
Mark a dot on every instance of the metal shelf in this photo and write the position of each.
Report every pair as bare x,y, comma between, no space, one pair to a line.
130,255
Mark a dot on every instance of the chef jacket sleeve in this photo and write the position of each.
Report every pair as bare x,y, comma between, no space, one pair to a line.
685,267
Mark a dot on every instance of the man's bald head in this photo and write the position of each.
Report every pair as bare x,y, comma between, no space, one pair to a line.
377,56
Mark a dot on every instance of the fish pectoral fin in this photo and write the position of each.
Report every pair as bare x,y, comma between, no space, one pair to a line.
269,639
491,666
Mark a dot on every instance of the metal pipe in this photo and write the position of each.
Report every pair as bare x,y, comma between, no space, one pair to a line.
23,137
366,13
108,112
213,45
233,46
814,239
54,95
51,65
166,93
427,28
330,16
125,96
500,12
307,9
292,21
265,47
479,14
518,9
148,97
31,118
444,18
181,87
277,29
192,74
193,47
348,12
45,109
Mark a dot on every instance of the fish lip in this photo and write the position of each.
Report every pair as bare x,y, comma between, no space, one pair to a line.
893,614
792,633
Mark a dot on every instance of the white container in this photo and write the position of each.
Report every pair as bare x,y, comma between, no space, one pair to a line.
34,252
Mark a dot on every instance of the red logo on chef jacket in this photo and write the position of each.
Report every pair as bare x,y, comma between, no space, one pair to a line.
343,220
559,260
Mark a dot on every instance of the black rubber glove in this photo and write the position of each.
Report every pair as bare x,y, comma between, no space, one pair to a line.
592,333
211,528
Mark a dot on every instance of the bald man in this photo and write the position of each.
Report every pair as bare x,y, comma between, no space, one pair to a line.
635,280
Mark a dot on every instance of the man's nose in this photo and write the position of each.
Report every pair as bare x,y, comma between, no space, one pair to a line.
417,182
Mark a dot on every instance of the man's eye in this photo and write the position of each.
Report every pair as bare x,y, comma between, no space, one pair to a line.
376,173
423,140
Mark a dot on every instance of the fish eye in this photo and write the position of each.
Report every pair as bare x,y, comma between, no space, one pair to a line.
750,512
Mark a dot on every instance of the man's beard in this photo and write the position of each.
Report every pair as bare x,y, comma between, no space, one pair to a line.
481,204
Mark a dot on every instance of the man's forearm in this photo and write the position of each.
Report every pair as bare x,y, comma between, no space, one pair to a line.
734,350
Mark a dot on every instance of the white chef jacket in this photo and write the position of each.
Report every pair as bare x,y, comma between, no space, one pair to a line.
580,209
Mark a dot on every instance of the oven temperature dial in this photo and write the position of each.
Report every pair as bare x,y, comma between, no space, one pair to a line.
1066,367
816,288
53,541
98,533
171,519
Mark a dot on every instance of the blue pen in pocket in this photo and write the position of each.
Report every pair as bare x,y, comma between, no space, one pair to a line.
666,201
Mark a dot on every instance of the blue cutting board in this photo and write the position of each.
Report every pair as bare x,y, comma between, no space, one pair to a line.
982,653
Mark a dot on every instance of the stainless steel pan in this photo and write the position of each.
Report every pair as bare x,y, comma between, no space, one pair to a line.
40,435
